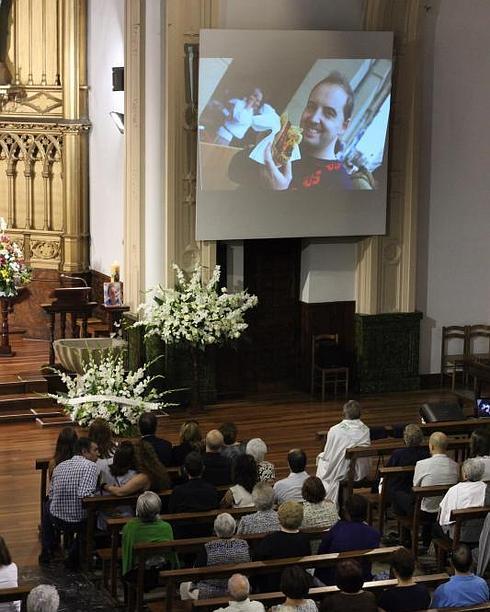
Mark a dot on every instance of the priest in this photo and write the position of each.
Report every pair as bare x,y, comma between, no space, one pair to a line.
332,465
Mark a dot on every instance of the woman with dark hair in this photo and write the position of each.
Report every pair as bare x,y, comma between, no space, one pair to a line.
123,466
65,447
151,474
8,577
349,580
317,511
295,584
407,595
100,432
244,477
480,448
190,440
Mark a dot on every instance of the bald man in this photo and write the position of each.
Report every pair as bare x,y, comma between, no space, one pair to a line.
217,469
438,469
239,590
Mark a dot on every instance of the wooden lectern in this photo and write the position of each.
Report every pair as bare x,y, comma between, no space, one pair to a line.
75,302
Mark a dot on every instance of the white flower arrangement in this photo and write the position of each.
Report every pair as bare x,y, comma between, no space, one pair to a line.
13,271
105,390
194,312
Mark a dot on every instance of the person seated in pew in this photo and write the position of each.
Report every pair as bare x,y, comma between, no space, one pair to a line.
407,595
226,549
239,591
190,441
151,474
295,584
217,468
65,447
289,488
439,469
147,527
163,448
351,533
288,542
244,478
351,598
464,588
195,495
8,577
258,449
43,598
471,492
231,447
100,432
265,519
72,480
332,464
480,449
317,510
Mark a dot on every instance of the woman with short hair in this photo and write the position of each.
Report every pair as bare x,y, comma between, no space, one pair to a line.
225,549
190,440
480,449
265,519
43,598
258,449
407,595
317,511
244,478
351,598
295,584
8,577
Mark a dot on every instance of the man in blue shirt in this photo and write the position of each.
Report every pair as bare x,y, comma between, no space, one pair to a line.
464,588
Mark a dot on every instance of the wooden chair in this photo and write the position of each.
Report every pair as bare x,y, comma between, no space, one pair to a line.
328,364
476,333
454,360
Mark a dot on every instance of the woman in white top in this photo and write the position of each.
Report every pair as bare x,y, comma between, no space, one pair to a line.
295,584
8,577
244,478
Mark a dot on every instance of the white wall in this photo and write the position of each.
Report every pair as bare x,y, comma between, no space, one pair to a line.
327,266
454,247
106,151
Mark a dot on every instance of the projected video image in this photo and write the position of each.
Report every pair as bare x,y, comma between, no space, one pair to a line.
325,132
483,407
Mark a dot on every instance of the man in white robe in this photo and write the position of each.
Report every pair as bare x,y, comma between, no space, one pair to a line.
467,494
332,465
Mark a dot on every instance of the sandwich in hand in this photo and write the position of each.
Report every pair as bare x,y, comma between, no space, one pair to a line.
285,140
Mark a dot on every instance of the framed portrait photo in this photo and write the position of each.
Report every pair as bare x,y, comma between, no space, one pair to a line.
113,294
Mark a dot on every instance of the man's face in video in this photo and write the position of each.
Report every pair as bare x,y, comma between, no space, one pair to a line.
323,119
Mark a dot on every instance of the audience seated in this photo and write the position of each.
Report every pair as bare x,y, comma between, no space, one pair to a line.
258,449
290,488
231,448
288,542
317,511
295,584
265,519
332,463
467,494
151,474
352,533
217,469
190,441
439,469
464,588
8,577
407,595
239,591
72,480
244,478
100,432
480,448
413,437
148,425
146,527
43,598
226,549
195,495
351,598
65,447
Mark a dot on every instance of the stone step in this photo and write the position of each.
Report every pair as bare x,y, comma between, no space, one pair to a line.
60,420
23,401
22,383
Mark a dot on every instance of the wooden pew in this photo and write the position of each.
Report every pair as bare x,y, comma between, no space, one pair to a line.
17,593
253,568
316,593
115,526
387,474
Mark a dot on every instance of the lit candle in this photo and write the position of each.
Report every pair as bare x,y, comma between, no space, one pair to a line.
3,225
